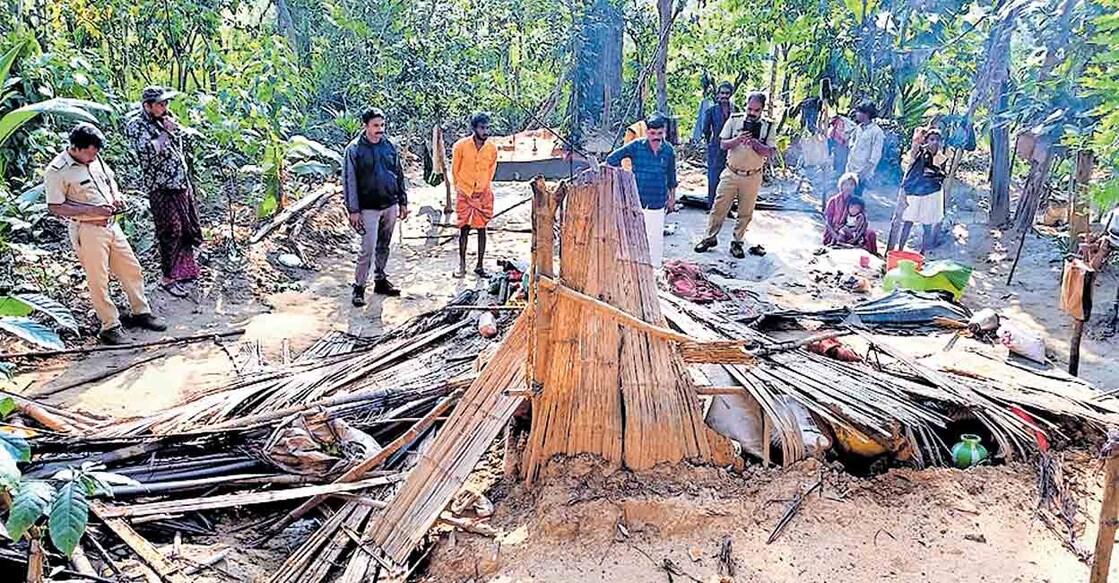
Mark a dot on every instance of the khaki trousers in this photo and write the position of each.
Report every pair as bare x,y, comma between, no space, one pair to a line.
105,250
733,186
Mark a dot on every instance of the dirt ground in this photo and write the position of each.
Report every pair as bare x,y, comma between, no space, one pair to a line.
582,524
935,525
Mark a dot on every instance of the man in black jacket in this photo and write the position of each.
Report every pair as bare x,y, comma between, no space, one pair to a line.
373,183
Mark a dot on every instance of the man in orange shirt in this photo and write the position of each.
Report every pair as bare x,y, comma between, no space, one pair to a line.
473,163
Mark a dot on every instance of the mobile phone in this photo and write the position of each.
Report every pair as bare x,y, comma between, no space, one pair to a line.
752,128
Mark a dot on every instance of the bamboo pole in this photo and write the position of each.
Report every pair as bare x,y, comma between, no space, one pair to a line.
160,342
1109,510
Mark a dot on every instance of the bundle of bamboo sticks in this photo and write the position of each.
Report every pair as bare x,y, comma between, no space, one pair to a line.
608,389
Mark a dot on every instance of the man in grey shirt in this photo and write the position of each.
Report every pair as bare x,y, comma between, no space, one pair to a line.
373,182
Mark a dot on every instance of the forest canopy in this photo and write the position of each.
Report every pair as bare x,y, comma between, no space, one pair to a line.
256,74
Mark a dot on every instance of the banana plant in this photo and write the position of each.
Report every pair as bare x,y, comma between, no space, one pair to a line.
296,156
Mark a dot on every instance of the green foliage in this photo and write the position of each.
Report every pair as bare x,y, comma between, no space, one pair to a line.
65,506
913,103
43,304
31,331
7,405
30,502
16,447
14,310
1102,81
69,514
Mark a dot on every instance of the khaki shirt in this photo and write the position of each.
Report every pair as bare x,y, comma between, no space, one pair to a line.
742,158
67,180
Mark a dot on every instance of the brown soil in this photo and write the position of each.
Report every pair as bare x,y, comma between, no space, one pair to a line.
582,524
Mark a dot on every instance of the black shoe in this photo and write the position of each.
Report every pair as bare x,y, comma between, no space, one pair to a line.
145,321
386,288
706,244
112,337
736,250
358,299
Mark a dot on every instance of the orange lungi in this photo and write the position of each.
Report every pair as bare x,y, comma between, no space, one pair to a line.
473,210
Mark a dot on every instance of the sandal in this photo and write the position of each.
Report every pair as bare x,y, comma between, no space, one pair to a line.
174,289
480,272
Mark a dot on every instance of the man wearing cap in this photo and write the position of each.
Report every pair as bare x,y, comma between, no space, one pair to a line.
749,142
654,168
158,142
866,143
82,188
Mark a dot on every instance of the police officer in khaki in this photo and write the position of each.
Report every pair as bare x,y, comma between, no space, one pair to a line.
749,141
81,187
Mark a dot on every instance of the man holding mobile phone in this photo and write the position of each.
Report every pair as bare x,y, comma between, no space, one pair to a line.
749,141
82,188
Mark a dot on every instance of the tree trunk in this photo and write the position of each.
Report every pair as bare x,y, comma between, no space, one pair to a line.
286,25
664,10
1000,175
1040,164
598,72
771,97
1078,207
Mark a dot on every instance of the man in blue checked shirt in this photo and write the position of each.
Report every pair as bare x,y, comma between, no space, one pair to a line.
654,168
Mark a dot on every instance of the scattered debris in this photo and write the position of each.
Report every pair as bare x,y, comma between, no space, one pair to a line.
792,510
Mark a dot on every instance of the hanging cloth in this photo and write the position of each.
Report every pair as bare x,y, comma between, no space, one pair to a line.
435,159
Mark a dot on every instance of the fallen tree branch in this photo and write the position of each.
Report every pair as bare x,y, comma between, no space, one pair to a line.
287,214
101,348
149,554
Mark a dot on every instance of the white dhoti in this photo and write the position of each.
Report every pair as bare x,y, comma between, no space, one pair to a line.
654,231
926,209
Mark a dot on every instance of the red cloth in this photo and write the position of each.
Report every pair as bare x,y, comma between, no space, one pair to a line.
835,217
178,232
475,209
688,281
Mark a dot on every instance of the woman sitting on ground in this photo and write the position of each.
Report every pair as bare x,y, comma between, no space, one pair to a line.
837,232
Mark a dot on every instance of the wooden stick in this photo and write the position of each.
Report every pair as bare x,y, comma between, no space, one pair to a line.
483,308
207,563
234,500
377,459
1074,347
144,549
1109,510
99,376
791,511
1017,256
613,313
100,348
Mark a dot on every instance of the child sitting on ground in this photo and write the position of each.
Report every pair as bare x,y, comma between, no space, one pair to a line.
853,231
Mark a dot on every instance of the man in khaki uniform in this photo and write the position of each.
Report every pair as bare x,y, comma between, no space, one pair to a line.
749,142
81,187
